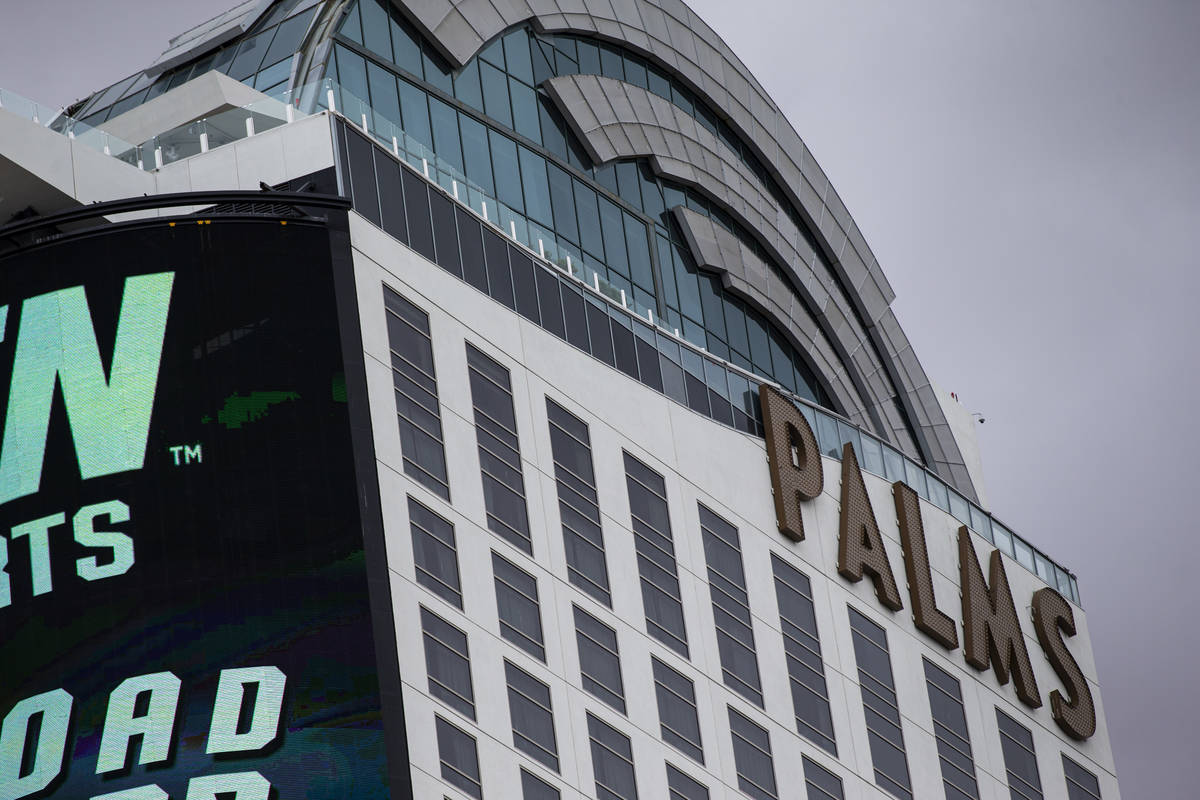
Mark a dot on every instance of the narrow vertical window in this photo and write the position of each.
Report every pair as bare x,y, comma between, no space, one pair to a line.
448,663
532,716
950,730
534,788
499,449
416,394
879,705
655,555
517,607
677,716
731,606
460,758
434,554
1081,784
1020,760
820,782
752,757
578,506
802,649
682,786
599,660
612,762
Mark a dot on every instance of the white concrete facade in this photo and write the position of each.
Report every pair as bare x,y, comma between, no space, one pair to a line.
701,461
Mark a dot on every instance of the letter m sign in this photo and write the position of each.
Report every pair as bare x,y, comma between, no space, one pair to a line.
109,415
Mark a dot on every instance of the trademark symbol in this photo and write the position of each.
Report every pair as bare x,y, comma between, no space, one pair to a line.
190,453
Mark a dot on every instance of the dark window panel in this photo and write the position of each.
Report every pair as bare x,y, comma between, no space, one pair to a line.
679,721
624,350
588,210
802,649
420,225
599,333
731,606
1081,784
537,187
470,239
950,731
525,286
362,176
517,605
884,732
648,360
752,757
532,716
1020,760
821,783
448,663
534,788
583,538
467,87
684,787
499,449
434,553
575,318
460,758
612,762
599,659
406,50
416,394
500,284
445,234
656,555
549,302
495,94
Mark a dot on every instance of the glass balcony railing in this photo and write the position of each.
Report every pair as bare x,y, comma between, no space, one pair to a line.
718,375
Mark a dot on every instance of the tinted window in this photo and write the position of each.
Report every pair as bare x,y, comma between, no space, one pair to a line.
532,716
459,757
680,724
656,555
802,647
583,538
434,553
612,762
879,705
448,663
499,449
517,605
731,606
752,757
599,661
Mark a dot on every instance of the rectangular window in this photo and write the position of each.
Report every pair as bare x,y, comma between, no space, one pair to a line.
950,730
499,449
677,715
655,555
879,705
802,649
532,716
731,606
534,788
434,553
460,758
578,506
683,786
1020,760
612,762
517,605
599,659
1081,784
416,394
821,783
752,757
448,663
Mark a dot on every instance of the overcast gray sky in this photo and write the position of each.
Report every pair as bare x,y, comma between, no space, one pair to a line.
1028,175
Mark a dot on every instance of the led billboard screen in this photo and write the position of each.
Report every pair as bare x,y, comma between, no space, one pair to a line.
183,597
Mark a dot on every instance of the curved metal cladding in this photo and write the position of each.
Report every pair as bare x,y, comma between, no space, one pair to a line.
843,318
739,196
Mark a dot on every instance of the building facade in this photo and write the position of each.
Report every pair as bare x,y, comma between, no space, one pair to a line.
452,400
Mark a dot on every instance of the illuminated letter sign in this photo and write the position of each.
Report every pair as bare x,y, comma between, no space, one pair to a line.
1052,616
794,458
928,618
860,545
110,417
991,631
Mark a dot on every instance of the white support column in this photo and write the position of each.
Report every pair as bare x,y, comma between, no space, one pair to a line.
204,142
249,126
